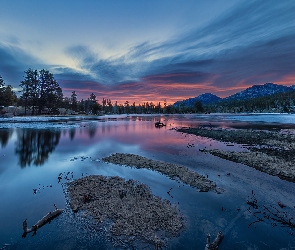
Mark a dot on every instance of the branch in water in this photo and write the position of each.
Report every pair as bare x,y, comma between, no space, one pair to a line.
214,245
46,219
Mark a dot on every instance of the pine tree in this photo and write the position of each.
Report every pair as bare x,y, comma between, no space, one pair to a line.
30,90
74,102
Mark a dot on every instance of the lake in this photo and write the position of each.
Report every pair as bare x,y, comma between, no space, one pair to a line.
39,156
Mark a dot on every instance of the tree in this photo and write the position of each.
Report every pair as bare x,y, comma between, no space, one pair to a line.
165,106
92,98
74,102
50,94
29,90
110,105
66,103
198,106
133,108
104,102
2,89
1,82
7,96
159,107
127,107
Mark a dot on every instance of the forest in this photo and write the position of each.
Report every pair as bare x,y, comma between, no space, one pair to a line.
40,94
275,103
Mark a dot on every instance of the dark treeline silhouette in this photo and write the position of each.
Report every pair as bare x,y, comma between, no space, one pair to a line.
279,102
41,94
7,96
34,146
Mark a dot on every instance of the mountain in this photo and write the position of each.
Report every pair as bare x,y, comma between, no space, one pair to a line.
260,91
206,98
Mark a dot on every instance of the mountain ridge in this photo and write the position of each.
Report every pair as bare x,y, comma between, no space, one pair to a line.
249,93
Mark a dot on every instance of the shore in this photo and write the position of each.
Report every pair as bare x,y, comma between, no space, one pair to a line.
130,206
174,171
272,152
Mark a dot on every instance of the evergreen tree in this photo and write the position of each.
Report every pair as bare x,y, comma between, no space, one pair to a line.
74,101
198,106
9,97
1,82
50,94
110,105
29,90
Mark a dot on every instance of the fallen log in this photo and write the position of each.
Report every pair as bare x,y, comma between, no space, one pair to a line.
159,124
46,219
214,245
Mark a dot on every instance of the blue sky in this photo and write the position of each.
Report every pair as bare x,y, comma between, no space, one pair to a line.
149,50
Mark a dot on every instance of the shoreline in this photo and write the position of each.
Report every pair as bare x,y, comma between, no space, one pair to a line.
268,151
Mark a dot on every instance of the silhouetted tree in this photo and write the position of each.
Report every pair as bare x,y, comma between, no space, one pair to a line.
198,106
74,101
1,82
110,105
30,90
7,96
104,103
50,94
127,107
66,103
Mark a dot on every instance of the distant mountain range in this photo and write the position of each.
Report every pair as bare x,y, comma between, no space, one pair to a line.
249,93
204,98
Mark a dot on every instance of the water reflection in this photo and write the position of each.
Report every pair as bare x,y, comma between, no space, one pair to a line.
5,134
92,131
34,146
72,133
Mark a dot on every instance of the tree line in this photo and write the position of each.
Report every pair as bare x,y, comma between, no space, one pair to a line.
41,94
279,102
7,96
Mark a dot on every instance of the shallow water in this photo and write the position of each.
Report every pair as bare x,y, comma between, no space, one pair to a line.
33,157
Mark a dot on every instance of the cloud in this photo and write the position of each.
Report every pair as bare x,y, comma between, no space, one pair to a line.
14,61
251,43
11,64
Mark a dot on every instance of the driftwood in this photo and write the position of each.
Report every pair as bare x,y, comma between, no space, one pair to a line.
159,124
46,219
214,245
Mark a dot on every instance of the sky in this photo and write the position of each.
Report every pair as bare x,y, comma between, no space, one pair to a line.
147,51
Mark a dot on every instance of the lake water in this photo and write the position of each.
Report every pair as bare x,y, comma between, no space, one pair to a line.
33,155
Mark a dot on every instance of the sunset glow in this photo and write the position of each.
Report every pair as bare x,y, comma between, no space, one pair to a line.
149,51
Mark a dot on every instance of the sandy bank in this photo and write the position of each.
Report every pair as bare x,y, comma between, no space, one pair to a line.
174,171
271,152
130,205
